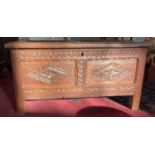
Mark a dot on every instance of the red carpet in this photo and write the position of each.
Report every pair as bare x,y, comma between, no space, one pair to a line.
70,107
83,107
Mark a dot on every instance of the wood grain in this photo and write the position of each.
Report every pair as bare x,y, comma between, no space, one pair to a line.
64,45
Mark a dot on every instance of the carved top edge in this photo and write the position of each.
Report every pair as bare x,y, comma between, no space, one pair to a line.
65,45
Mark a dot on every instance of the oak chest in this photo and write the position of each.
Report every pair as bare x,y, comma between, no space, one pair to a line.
50,70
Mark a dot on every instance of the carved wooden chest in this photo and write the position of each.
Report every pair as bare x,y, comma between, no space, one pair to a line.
50,70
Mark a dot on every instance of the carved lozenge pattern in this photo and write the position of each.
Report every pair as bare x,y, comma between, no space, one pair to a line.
111,71
48,73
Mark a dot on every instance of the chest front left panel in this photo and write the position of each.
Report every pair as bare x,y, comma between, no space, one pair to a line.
45,73
48,74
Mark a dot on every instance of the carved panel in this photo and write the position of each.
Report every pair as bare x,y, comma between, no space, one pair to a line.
48,73
111,71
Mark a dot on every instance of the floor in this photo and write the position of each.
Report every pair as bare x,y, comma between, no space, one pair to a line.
70,107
